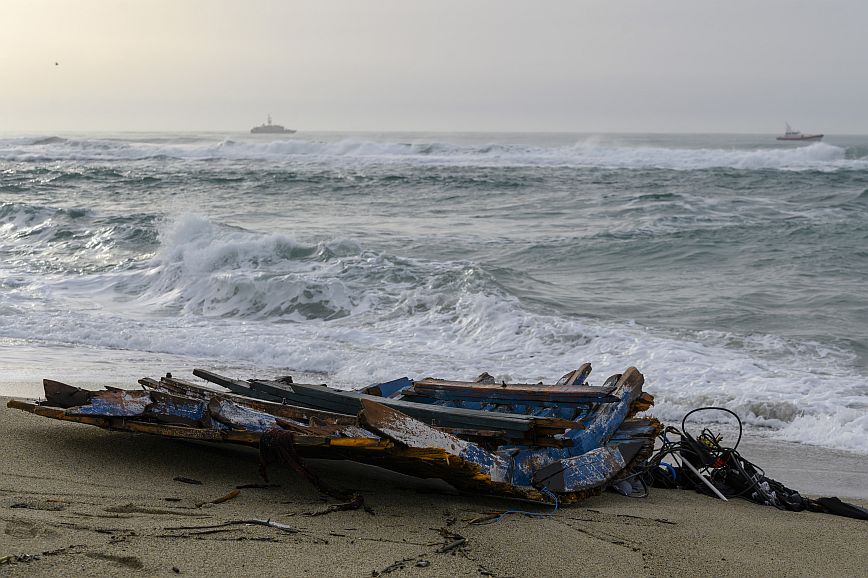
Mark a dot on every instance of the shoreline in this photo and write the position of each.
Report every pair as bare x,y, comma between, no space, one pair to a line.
93,502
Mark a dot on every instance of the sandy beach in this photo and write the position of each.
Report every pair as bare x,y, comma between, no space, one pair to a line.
77,500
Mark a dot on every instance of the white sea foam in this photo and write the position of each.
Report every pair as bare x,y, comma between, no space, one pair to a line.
588,153
241,297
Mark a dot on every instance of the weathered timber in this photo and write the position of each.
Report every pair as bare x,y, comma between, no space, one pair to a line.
176,409
322,397
562,394
589,470
58,394
576,376
495,444
276,409
412,433
114,403
506,396
601,423
175,431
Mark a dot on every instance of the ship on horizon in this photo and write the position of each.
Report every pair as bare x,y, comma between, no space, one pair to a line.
269,128
791,134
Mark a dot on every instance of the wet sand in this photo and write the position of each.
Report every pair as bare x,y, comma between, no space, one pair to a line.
78,500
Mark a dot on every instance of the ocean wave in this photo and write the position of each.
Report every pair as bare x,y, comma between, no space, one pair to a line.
590,153
71,240
334,306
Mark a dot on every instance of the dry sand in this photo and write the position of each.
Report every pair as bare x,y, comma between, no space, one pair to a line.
83,501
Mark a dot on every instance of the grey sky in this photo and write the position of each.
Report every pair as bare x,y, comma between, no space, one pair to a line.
466,65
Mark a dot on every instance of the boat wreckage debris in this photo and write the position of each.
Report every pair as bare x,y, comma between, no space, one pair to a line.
555,443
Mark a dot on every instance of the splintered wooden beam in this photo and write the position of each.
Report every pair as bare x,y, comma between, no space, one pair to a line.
412,433
576,376
275,409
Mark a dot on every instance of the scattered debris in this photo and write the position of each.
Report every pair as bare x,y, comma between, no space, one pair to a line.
452,542
18,558
47,505
528,441
187,480
494,517
230,496
133,509
354,503
254,522
397,565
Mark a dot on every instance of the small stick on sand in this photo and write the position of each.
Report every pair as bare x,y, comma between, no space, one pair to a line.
220,500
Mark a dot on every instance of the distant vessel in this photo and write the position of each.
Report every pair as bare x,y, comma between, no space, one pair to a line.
269,128
791,134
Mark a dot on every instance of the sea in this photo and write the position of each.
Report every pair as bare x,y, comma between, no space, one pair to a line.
731,270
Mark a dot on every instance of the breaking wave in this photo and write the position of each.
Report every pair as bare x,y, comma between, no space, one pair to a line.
333,306
585,154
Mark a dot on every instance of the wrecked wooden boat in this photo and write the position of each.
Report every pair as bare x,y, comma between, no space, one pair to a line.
533,441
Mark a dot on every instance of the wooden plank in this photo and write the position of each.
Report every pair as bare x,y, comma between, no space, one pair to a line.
412,433
175,431
605,419
444,416
176,409
432,414
273,408
239,417
114,403
326,422
554,393
508,396
350,402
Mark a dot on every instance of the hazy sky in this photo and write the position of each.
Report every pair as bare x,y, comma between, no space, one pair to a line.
443,65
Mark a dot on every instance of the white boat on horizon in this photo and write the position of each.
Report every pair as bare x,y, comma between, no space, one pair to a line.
791,134
269,128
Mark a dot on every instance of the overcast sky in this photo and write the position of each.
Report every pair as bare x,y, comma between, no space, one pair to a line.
441,65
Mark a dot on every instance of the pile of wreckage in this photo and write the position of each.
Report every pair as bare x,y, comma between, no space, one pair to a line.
534,441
